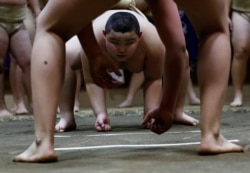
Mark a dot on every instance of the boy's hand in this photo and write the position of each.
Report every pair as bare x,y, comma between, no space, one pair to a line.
100,68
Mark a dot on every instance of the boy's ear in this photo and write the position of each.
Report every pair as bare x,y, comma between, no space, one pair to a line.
104,33
140,34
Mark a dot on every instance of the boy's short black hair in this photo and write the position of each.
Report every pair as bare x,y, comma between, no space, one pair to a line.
122,22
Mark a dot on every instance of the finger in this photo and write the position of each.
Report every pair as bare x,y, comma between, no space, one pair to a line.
107,82
118,72
107,127
98,128
157,129
146,120
114,68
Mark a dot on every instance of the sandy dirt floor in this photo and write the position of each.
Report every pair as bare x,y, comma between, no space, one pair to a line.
128,147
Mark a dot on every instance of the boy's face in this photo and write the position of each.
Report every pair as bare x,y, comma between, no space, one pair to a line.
121,46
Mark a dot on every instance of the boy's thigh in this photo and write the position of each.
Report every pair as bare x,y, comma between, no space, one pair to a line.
21,46
69,17
4,42
240,33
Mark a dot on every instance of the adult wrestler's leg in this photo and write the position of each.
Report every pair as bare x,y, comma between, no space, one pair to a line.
241,47
58,21
17,87
4,43
210,20
78,74
21,46
192,97
180,117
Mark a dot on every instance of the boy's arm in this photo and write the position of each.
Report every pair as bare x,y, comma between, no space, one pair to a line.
96,97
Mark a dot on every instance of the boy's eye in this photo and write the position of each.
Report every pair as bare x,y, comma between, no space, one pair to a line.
129,43
115,43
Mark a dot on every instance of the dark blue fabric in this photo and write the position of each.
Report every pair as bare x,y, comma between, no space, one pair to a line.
190,37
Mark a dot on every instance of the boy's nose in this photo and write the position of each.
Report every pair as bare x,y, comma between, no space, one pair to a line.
121,49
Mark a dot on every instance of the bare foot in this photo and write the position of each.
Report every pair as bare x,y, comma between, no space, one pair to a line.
38,152
5,113
64,126
125,104
237,102
185,119
217,145
194,101
21,111
102,123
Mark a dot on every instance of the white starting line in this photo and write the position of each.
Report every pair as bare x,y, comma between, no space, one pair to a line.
132,146
123,134
143,133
